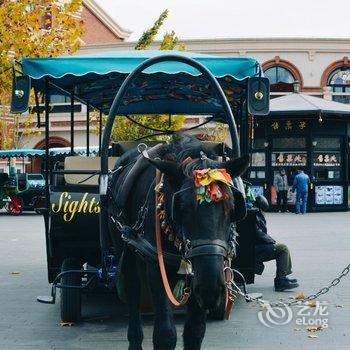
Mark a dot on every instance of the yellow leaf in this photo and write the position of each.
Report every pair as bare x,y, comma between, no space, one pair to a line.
300,296
313,329
311,303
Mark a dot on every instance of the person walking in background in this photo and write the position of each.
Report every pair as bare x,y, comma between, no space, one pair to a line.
301,185
280,182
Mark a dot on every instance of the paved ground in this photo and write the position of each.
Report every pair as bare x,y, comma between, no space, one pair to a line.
320,246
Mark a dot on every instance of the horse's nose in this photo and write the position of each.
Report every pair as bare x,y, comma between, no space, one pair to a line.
209,297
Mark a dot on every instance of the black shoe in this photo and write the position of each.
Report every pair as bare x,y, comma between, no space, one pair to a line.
293,280
283,283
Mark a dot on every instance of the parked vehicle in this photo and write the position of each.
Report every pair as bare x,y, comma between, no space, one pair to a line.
20,191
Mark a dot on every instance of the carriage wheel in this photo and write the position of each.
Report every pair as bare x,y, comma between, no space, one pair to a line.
15,206
71,297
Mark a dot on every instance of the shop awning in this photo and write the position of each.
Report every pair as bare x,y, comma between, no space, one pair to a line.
302,104
21,153
168,87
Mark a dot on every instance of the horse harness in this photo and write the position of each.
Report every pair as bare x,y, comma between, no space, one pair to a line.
133,237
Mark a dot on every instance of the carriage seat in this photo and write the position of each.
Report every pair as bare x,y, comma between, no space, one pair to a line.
84,163
22,181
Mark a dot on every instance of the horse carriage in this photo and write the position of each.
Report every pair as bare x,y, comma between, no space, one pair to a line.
107,214
20,191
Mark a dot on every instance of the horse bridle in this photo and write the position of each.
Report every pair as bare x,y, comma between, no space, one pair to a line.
191,249
200,247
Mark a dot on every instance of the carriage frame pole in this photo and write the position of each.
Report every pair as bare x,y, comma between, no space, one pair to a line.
72,122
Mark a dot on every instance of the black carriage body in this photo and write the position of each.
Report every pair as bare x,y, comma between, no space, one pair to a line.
73,227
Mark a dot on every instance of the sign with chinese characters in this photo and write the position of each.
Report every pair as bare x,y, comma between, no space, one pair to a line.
288,158
328,195
326,159
289,125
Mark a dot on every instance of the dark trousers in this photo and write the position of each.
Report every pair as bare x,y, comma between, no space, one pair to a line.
282,201
278,252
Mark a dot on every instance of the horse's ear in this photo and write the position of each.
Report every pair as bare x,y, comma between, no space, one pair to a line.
236,167
167,167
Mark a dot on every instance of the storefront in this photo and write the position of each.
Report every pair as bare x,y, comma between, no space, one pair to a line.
308,133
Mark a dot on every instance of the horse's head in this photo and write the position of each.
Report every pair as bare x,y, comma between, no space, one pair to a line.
200,206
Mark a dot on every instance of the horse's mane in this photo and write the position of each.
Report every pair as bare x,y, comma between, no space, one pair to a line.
183,146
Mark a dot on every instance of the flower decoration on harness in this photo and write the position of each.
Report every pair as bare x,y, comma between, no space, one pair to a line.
208,184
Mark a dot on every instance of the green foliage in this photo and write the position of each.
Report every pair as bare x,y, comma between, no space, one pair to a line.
170,40
148,36
32,28
125,129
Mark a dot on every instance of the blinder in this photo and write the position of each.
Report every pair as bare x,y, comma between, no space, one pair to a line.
240,208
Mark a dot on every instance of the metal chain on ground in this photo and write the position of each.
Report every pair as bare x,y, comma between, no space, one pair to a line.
310,297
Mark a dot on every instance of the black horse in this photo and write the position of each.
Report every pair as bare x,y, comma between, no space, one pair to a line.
188,219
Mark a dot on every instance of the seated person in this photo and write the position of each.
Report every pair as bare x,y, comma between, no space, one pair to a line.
267,249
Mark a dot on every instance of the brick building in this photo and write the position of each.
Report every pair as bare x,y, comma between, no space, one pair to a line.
100,29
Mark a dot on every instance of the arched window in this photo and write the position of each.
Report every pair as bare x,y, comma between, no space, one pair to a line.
278,74
339,82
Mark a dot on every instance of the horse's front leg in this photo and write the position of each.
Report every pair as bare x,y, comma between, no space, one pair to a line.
164,331
133,293
195,325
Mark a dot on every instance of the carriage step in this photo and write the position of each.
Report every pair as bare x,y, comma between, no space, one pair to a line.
46,299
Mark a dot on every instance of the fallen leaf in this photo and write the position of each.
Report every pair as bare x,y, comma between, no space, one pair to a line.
15,273
311,303
339,306
297,329
300,296
314,329
312,336
65,324
264,306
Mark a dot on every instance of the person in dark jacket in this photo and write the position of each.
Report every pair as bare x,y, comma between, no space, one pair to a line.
280,182
266,249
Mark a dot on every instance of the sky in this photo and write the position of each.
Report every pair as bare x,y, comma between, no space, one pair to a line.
209,19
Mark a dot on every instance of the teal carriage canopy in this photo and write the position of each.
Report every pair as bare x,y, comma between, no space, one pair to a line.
167,87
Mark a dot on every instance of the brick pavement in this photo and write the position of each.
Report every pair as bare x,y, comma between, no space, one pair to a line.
320,249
